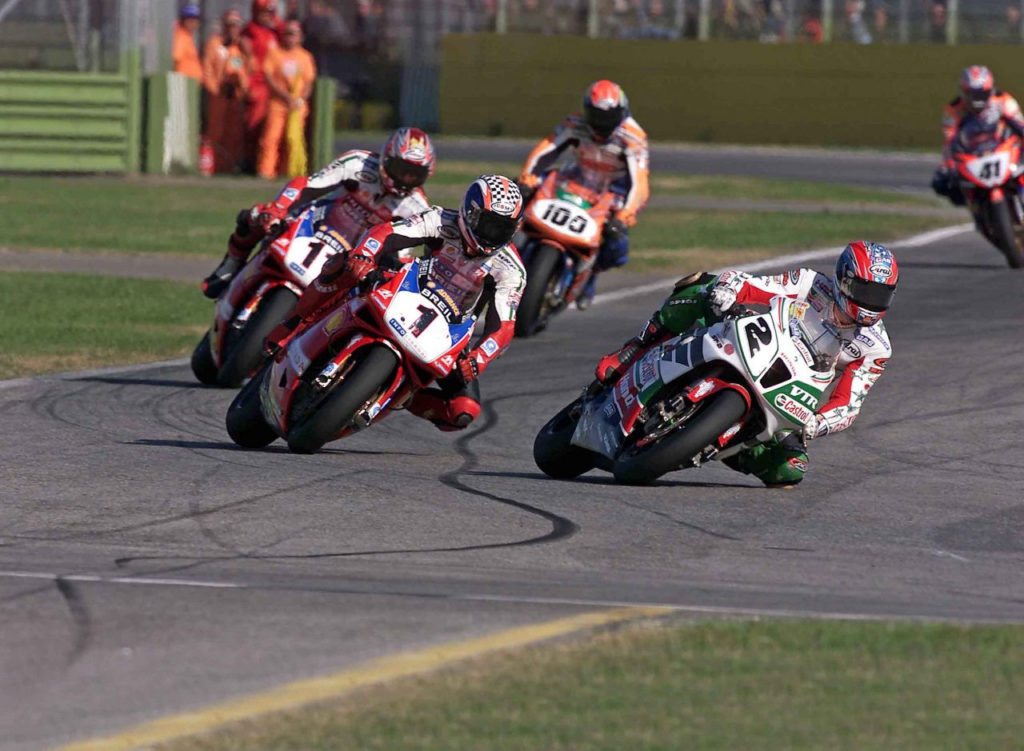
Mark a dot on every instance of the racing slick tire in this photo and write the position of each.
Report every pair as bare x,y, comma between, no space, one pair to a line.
642,465
541,275
203,366
553,453
1003,234
244,350
372,372
244,419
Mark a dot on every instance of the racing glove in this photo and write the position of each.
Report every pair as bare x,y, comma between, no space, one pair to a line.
721,299
941,181
614,229
269,215
466,368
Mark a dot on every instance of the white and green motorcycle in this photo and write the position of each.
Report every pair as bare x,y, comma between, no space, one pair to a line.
698,397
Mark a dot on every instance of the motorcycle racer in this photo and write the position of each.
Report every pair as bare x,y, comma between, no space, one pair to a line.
849,306
610,150
978,98
371,189
472,263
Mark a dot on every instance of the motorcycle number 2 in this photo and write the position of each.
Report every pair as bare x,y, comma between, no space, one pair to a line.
758,343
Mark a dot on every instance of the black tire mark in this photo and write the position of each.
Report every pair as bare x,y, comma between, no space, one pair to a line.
80,617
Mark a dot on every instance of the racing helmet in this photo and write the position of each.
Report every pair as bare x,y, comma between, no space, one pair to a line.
490,214
976,86
865,281
604,107
406,161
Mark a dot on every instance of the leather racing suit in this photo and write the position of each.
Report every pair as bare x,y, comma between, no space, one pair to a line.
619,163
863,355
361,202
495,280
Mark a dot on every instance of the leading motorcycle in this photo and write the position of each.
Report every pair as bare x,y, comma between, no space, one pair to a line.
697,397
360,361
987,156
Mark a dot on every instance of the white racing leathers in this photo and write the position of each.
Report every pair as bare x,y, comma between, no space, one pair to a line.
864,351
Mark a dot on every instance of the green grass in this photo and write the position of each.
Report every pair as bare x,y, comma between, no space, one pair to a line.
195,216
705,685
63,322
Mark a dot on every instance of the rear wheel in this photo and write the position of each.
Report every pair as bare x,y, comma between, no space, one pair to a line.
244,420
541,279
553,453
641,465
1003,233
244,350
371,373
203,367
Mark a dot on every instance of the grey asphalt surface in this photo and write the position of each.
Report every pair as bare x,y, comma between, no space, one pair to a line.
147,566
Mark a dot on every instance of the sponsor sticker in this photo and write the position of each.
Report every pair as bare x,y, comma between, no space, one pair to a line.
881,270
335,322
502,207
365,176
793,407
489,346
393,323
290,193
703,389
371,243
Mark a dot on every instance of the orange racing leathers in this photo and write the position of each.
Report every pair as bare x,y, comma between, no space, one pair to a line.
953,114
864,353
468,283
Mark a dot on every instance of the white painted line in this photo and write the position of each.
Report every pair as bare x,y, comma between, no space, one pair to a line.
787,261
97,579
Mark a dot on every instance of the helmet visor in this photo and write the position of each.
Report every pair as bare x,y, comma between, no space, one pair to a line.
406,174
978,98
492,230
603,122
873,296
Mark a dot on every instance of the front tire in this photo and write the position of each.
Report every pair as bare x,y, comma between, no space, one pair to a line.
1003,234
554,455
364,381
203,366
245,350
541,275
645,464
245,422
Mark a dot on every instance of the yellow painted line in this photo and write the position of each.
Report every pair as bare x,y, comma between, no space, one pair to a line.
299,693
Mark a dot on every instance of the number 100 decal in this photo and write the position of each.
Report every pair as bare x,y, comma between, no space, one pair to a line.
560,217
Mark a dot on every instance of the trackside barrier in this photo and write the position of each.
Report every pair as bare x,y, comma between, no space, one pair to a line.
70,122
321,140
172,124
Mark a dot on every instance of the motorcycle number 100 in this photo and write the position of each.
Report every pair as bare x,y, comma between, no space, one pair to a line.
562,217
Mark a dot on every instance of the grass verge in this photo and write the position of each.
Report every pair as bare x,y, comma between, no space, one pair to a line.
701,685
195,216
62,322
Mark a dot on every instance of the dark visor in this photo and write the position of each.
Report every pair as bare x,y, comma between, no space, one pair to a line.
874,296
404,173
492,230
603,121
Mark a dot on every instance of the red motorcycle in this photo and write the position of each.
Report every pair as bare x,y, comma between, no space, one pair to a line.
361,360
987,156
262,295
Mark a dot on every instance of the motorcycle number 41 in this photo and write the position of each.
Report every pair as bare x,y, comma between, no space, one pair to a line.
992,170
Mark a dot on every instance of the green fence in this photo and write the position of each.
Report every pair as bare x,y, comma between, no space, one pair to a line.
722,92
69,122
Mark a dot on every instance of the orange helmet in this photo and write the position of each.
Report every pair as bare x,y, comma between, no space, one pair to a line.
605,107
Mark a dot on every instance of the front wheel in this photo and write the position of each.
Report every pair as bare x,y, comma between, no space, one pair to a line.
552,451
244,349
363,382
541,278
244,420
642,465
1003,234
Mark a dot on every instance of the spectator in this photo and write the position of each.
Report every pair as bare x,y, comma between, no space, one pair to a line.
810,27
225,79
882,29
183,48
290,73
857,25
937,21
1014,32
259,36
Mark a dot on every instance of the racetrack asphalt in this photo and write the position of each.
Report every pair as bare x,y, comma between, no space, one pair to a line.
148,567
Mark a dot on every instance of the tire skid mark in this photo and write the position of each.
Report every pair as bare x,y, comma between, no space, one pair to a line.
80,617
688,525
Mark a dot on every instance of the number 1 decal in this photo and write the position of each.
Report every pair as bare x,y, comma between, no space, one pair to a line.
427,316
314,250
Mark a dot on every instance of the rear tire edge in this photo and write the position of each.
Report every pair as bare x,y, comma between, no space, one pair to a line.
244,420
553,453
247,352
545,260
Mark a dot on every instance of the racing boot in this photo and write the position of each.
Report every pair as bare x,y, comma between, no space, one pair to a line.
586,296
613,365
777,463
218,281
240,245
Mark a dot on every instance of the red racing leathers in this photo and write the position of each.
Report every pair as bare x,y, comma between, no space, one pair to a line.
999,104
865,350
495,280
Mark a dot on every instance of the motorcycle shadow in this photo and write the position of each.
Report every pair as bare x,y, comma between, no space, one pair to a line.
603,479
278,448
123,381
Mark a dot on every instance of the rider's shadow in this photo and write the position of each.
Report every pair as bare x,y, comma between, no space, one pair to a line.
123,381
274,448
608,480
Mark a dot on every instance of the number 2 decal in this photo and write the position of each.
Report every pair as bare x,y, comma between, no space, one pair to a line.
759,332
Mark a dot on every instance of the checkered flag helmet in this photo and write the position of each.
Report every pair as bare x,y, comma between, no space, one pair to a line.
491,212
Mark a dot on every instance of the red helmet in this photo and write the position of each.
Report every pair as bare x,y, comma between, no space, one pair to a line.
491,213
406,161
865,281
604,107
976,85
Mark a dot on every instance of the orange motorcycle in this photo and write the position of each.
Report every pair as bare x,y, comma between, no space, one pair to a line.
563,224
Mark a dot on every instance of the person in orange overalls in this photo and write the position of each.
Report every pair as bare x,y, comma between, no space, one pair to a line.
225,79
259,36
290,73
183,46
